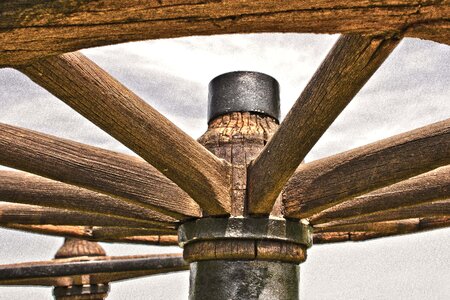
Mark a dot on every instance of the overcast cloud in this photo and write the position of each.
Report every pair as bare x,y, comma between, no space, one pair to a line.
410,90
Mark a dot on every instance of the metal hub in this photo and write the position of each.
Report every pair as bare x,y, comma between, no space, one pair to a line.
244,258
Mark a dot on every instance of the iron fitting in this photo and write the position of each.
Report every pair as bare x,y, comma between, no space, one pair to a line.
269,239
244,91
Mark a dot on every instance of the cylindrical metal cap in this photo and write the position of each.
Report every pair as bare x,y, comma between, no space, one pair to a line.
243,91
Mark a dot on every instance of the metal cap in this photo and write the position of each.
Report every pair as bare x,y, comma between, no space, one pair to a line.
243,91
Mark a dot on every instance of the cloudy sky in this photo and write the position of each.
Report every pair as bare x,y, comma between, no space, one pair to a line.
410,90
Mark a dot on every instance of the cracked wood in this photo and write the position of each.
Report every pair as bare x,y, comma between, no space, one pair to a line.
25,188
425,188
238,138
127,177
345,70
100,98
423,210
32,29
382,230
102,234
387,228
38,215
326,182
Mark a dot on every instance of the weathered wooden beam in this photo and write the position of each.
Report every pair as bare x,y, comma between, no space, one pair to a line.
32,29
39,215
102,234
425,188
348,66
366,232
396,226
92,92
119,175
101,269
25,188
423,210
326,182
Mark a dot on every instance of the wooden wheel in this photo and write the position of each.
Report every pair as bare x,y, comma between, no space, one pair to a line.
395,186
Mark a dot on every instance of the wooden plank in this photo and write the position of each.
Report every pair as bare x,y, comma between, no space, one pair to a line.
425,188
25,188
356,236
34,29
38,215
126,177
108,266
364,232
348,66
92,92
432,209
397,226
324,183
101,234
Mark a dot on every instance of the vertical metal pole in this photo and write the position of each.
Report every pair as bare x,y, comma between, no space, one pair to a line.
242,257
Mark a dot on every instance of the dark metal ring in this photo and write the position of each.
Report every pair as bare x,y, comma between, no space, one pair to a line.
245,228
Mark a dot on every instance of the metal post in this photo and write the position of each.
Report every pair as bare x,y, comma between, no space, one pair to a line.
243,257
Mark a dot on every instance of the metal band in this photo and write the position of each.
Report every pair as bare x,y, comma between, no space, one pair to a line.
243,92
78,290
245,228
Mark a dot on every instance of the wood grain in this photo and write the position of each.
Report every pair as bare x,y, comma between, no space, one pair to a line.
39,215
102,234
423,210
238,138
73,247
34,29
93,93
364,232
324,183
348,66
118,175
242,249
425,188
25,188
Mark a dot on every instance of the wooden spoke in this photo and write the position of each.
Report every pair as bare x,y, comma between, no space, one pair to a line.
113,233
116,174
103,234
101,269
96,95
38,215
25,188
32,29
345,70
362,232
425,188
162,240
324,183
433,209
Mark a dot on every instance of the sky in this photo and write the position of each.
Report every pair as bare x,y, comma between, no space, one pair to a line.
410,90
